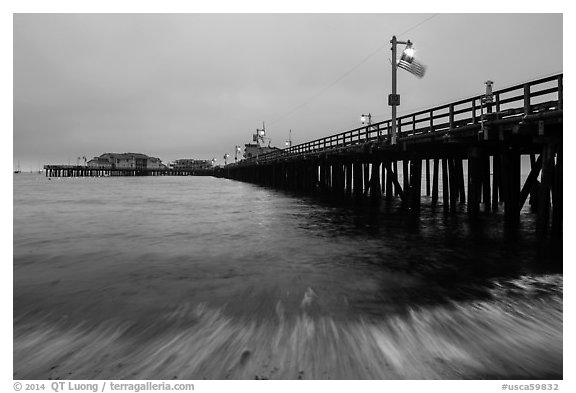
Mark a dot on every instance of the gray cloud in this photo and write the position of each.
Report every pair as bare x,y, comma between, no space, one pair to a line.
195,85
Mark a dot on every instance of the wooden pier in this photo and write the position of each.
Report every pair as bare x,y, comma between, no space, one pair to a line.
485,137
87,171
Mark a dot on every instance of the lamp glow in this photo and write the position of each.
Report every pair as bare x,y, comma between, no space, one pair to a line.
409,51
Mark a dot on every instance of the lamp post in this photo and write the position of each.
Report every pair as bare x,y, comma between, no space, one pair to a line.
366,119
260,134
237,150
289,141
408,63
486,101
226,158
394,98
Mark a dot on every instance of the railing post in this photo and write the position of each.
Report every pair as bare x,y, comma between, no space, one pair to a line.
474,111
413,124
560,92
431,121
526,99
451,116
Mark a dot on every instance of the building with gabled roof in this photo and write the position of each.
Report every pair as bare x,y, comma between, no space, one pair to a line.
137,161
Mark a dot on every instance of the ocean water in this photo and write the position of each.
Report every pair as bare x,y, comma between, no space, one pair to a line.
205,278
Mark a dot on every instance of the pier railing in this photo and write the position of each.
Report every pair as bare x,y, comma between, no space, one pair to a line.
520,103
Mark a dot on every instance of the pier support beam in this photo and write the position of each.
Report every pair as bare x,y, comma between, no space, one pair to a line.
348,168
366,170
454,186
544,191
459,167
530,181
496,177
427,177
395,170
415,182
486,195
557,198
406,176
386,168
357,179
445,186
474,181
322,177
391,174
435,182
375,188
511,184
339,179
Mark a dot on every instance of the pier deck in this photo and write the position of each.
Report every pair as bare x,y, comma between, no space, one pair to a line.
488,136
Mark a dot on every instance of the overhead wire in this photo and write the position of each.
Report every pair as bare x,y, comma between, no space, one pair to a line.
344,75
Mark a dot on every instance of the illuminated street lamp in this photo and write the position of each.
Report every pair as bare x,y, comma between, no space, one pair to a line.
289,141
226,158
260,133
366,119
237,150
408,63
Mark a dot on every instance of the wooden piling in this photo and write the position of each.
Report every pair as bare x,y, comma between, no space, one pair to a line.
474,181
357,179
557,198
496,176
366,167
338,170
445,186
544,191
322,175
453,180
435,182
511,184
486,195
383,179
348,169
427,177
394,178
395,170
458,166
415,183
375,188
530,181
389,183
406,175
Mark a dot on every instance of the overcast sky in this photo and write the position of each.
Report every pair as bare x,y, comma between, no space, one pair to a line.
195,85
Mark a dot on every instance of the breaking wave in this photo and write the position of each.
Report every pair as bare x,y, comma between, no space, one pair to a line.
515,335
